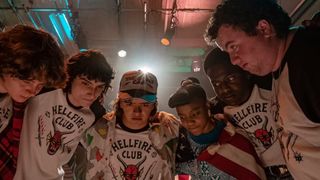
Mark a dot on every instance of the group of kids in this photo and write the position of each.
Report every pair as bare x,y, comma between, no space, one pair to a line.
52,116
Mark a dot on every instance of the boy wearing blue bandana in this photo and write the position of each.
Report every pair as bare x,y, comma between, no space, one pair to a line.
125,144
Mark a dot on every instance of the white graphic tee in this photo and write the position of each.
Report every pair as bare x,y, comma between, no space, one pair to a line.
50,134
5,112
133,157
256,119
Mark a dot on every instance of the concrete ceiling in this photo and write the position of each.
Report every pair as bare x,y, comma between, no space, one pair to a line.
136,25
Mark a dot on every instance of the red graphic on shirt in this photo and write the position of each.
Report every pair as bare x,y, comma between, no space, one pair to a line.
55,140
263,135
131,171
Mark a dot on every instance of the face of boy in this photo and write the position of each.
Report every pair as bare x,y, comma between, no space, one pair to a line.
254,54
231,85
136,112
84,91
195,118
21,90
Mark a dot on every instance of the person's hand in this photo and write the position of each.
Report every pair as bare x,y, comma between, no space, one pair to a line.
221,117
166,119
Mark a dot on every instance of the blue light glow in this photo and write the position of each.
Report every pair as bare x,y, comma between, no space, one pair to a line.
65,25
56,26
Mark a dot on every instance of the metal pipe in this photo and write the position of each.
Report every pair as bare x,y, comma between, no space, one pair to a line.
13,7
31,18
145,16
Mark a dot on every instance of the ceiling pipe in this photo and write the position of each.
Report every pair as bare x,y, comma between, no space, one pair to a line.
30,17
14,9
145,16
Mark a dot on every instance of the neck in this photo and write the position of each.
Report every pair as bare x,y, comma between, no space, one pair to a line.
135,128
282,49
71,101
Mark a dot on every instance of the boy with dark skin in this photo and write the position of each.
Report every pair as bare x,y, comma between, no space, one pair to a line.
247,106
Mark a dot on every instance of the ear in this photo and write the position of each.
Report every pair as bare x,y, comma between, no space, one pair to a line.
265,28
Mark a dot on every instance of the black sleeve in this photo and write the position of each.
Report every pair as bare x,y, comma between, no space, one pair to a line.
264,82
98,109
304,73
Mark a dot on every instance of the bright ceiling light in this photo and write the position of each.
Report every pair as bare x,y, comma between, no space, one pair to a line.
122,53
145,69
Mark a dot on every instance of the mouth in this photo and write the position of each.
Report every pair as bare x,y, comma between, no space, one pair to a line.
244,66
89,101
228,97
22,99
136,118
194,131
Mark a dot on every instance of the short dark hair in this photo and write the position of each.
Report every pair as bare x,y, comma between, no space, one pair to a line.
28,53
245,14
216,56
191,79
186,95
91,64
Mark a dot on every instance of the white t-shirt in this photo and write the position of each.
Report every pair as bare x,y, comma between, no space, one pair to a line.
50,134
132,155
256,119
115,153
300,136
5,112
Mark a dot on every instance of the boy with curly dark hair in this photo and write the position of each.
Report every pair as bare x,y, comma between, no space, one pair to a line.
30,59
57,119
258,37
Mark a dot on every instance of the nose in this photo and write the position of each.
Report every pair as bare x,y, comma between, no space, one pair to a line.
137,109
33,89
225,89
235,59
93,92
189,121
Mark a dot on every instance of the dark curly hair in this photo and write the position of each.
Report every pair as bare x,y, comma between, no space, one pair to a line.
214,57
91,64
245,15
28,53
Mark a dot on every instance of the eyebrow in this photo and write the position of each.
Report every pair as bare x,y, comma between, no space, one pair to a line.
219,45
89,81
194,109
227,44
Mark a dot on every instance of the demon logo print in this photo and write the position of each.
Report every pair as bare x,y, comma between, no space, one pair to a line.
55,141
131,171
263,135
